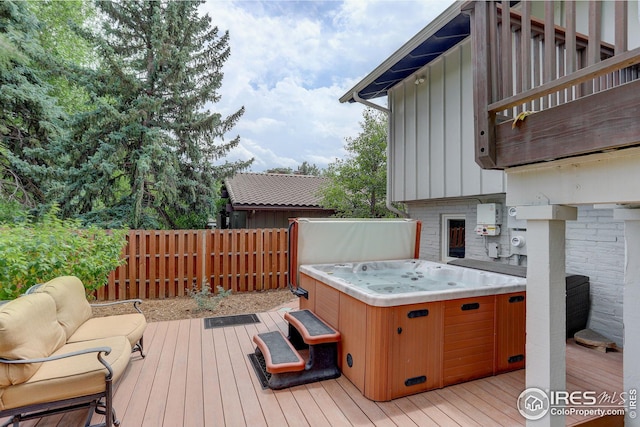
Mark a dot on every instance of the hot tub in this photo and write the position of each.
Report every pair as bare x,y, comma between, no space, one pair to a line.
412,325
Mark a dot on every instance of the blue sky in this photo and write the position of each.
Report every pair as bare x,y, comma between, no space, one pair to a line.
291,61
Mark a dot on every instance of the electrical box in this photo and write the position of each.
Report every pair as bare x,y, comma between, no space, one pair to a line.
489,218
489,214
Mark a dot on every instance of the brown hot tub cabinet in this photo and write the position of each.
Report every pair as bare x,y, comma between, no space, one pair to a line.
390,352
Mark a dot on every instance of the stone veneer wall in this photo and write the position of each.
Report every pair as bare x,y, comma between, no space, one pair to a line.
595,248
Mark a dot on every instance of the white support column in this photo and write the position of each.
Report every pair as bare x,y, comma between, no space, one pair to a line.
546,296
631,314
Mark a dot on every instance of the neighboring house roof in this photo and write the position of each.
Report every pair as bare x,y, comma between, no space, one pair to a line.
444,32
260,190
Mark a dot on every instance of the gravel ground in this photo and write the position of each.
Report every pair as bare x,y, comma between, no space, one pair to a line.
156,310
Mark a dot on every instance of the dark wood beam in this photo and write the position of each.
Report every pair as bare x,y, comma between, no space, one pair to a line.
484,123
602,121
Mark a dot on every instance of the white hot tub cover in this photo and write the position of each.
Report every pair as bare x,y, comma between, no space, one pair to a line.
336,240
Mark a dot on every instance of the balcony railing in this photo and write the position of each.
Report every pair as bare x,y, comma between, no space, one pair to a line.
544,91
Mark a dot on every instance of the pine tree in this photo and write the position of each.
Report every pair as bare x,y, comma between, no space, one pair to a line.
31,122
145,156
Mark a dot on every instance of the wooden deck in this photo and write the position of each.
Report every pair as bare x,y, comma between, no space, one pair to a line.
202,377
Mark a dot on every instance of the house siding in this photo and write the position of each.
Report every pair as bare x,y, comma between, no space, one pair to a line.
595,248
430,212
431,148
432,169
280,219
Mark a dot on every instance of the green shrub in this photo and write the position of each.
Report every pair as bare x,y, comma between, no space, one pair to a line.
37,251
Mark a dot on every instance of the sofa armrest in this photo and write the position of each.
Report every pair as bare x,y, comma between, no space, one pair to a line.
98,350
136,303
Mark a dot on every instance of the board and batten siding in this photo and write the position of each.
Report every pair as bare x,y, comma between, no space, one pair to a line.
431,143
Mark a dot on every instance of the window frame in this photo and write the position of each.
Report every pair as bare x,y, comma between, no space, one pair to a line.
445,220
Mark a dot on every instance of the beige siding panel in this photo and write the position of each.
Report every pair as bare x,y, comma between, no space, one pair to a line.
493,181
422,138
411,140
432,136
437,133
471,172
397,148
633,35
453,123
392,171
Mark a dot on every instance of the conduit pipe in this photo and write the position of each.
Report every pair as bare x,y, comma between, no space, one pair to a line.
387,111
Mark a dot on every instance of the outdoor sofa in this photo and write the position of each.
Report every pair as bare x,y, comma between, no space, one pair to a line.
55,357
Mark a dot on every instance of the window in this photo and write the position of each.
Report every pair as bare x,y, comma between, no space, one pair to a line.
453,237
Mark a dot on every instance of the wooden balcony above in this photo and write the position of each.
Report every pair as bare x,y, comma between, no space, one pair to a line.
577,95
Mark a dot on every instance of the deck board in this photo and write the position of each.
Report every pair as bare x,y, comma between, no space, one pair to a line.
486,414
312,412
194,408
159,391
243,375
375,414
212,397
396,414
174,407
345,403
202,377
231,401
451,409
487,398
419,416
331,411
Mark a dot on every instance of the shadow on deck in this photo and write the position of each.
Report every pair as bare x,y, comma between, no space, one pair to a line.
194,376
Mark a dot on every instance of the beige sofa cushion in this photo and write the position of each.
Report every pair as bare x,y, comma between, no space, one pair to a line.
130,325
70,377
71,302
28,330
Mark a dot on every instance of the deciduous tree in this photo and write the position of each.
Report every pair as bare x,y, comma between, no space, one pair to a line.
356,185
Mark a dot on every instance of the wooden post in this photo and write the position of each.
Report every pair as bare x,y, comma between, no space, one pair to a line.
484,123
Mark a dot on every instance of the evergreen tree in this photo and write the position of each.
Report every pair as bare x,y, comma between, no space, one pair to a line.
31,122
145,156
357,185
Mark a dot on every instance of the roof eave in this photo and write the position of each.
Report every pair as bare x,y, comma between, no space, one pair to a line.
434,26
237,207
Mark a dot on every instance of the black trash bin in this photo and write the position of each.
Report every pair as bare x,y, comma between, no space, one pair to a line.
578,303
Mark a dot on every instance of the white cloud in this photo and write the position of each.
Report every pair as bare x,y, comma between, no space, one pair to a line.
291,61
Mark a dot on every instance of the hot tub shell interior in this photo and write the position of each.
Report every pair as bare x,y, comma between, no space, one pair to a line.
417,343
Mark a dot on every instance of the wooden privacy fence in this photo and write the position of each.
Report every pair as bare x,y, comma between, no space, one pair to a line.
163,264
